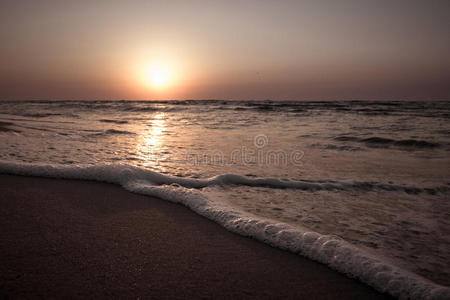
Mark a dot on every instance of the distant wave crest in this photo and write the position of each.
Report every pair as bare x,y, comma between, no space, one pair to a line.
113,121
386,142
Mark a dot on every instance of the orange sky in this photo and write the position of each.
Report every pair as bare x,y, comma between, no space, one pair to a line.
313,50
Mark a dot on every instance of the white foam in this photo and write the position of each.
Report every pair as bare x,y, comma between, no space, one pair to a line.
329,250
125,172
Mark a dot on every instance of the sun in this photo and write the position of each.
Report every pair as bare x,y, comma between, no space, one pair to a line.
160,76
157,76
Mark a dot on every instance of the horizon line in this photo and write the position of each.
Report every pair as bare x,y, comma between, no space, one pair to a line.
231,100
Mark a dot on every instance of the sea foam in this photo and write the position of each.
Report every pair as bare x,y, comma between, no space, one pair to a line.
327,249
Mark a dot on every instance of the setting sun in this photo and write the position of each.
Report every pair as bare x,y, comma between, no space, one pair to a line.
157,73
159,77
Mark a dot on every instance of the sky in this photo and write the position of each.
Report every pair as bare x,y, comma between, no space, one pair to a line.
254,49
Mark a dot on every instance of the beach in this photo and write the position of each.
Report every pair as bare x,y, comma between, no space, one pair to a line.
84,239
225,149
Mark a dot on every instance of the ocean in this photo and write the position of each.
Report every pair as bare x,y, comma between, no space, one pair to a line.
360,186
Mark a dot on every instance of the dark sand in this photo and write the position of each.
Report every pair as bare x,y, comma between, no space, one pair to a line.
79,239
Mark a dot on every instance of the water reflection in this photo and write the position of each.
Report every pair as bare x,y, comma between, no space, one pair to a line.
151,140
154,136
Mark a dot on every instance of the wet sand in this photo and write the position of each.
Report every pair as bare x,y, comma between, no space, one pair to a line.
81,239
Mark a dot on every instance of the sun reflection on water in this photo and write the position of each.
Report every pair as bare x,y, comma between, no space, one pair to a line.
151,140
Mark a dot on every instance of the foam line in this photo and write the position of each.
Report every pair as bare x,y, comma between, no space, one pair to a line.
124,172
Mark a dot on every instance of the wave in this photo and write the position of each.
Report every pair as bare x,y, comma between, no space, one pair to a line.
146,107
386,142
4,127
45,115
39,115
336,147
330,250
401,143
113,121
131,108
231,179
113,132
53,130
432,109
2,123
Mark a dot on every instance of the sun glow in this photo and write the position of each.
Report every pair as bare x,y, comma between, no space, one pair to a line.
157,76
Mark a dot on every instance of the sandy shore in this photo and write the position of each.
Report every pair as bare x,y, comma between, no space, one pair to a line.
79,239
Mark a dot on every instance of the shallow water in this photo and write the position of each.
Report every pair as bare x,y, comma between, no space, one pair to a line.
398,152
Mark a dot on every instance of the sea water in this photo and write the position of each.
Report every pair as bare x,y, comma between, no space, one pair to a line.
361,186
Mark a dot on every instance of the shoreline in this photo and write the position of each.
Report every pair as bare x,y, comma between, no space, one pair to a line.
90,239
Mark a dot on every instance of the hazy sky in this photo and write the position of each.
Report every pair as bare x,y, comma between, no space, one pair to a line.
313,50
